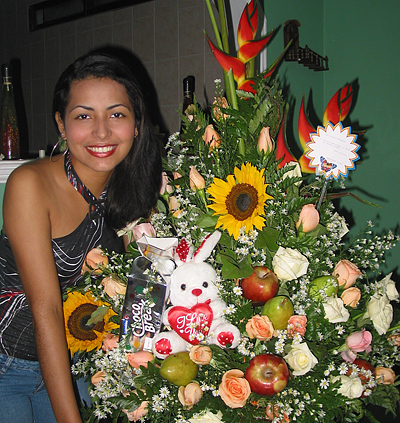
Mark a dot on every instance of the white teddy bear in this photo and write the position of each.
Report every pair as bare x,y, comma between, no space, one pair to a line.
196,313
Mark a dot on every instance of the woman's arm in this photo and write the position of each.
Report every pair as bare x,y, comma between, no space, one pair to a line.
27,223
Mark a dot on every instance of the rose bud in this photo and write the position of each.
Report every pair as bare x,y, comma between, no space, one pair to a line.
110,341
211,138
200,354
140,358
346,273
98,377
265,144
95,258
196,180
220,102
385,375
351,296
143,229
190,395
113,286
308,219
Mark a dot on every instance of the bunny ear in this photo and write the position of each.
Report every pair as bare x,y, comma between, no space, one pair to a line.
206,247
183,252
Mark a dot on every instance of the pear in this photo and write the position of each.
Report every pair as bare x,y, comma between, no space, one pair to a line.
178,369
279,310
328,284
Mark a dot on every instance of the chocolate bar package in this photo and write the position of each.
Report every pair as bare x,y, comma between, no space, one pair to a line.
143,308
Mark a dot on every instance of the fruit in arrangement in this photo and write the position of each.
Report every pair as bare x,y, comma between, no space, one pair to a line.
267,374
363,365
178,369
260,286
279,310
328,284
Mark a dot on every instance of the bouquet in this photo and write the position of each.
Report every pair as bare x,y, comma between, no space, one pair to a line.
318,336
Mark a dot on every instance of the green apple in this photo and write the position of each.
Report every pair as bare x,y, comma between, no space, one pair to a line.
178,369
279,310
328,284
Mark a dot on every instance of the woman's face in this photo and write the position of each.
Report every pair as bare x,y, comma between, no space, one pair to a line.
99,124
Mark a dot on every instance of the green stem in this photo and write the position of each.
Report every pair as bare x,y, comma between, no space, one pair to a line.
250,67
214,24
224,30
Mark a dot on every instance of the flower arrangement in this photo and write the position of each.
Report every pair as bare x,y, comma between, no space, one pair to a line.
318,333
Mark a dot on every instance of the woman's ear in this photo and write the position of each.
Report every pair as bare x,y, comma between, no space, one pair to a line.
60,124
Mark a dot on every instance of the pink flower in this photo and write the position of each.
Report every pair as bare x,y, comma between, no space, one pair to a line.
351,296
308,219
140,358
95,258
143,229
348,356
113,286
265,144
165,186
359,341
190,395
297,324
211,138
110,342
346,273
134,416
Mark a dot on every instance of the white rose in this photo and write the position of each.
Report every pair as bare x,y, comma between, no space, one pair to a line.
380,311
208,417
289,264
390,288
351,386
301,359
294,172
335,311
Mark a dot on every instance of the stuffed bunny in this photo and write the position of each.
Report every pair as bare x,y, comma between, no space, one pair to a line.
196,312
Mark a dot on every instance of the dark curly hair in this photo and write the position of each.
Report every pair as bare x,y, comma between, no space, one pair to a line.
135,183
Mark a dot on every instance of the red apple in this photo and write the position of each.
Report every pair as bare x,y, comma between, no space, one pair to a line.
260,286
267,374
362,364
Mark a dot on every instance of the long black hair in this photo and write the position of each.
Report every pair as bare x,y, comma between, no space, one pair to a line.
135,183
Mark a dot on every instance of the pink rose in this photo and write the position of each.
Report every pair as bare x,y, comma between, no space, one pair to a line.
134,416
265,144
200,354
260,327
211,138
348,356
95,258
196,180
297,324
234,389
140,358
113,286
110,341
308,218
143,229
359,341
190,395
98,377
165,186
351,296
384,375
346,273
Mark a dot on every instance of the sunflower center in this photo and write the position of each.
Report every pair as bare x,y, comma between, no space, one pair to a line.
241,201
77,323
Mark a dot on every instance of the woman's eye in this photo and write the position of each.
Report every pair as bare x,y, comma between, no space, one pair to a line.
82,117
117,115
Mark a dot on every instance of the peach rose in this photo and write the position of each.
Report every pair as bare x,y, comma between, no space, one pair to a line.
165,186
110,342
174,206
200,354
308,218
260,327
297,324
385,375
98,377
346,273
134,416
359,341
234,389
196,180
271,415
220,102
265,144
190,395
95,258
140,358
351,296
211,138
395,339
113,286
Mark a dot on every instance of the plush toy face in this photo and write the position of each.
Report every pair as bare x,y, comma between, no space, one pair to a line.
193,283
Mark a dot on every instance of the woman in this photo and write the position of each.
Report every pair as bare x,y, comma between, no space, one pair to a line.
113,164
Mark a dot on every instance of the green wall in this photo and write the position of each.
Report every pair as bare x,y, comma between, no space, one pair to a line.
360,37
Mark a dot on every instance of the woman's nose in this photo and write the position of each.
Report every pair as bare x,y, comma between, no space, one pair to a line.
101,130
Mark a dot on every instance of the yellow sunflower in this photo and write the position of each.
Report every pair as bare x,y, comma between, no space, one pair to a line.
78,309
240,200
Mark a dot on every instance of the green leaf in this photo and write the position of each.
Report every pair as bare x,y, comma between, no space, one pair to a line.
268,238
98,315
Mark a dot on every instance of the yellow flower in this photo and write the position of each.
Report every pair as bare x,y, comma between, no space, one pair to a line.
78,309
240,200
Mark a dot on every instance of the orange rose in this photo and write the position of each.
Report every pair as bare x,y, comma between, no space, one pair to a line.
351,296
260,327
297,324
134,416
110,341
346,273
211,138
234,389
265,144
190,395
95,258
140,358
98,377
200,354
220,102
113,286
384,375
196,180
308,218
174,206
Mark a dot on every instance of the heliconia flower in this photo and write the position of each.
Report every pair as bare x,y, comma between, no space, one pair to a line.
282,149
338,106
248,23
250,49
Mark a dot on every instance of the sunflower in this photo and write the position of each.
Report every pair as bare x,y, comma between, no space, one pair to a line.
78,309
239,201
